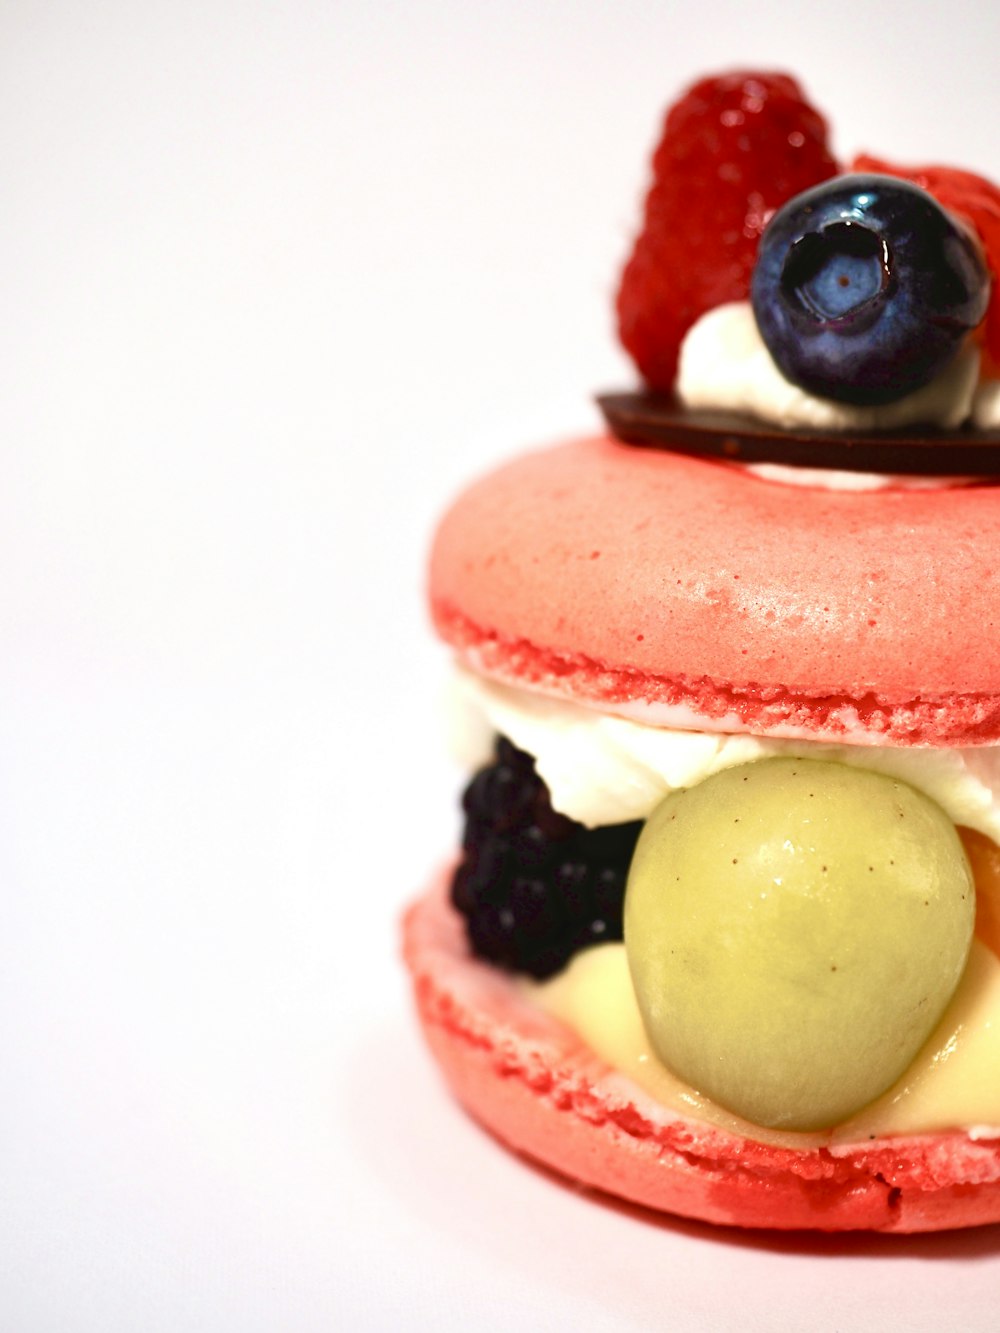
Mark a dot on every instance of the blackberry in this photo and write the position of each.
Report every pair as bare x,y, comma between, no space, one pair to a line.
534,886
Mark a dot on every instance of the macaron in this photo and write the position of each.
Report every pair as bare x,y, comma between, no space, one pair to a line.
722,937
680,590
670,592
531,1082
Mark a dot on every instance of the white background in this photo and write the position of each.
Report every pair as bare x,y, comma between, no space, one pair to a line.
275,279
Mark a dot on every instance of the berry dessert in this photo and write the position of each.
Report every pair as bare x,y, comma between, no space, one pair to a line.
723,935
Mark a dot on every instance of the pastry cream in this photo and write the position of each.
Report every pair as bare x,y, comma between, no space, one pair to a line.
953,1083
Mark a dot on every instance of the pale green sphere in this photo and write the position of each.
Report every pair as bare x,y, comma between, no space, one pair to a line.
795,928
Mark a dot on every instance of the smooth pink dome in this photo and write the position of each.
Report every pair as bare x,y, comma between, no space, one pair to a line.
614,574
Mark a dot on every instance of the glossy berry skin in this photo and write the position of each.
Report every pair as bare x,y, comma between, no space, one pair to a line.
734,148
973,199
533,885
865,288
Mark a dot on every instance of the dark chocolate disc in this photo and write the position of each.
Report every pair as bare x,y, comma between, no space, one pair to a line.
660,422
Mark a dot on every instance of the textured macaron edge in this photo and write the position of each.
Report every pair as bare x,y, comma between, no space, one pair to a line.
632,579
530,1080
718,705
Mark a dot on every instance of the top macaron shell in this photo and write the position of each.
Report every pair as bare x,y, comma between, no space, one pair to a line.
626,577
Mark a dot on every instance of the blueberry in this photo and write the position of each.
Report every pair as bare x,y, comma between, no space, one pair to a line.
864,288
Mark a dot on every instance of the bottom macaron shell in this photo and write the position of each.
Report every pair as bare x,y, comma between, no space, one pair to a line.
537,1087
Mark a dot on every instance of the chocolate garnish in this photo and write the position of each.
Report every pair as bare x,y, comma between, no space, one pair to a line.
660,422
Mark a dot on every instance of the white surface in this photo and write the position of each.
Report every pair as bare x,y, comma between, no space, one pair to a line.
274,279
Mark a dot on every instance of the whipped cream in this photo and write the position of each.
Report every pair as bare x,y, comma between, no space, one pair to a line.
835,479
605,769
725,366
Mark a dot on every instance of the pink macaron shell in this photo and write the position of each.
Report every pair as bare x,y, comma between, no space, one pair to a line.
535,1085
626,577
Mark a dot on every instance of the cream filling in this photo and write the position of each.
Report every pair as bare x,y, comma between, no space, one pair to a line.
954,1082
725,366
604,769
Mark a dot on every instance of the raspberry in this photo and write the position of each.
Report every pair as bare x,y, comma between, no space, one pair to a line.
975,199
535,886
734,149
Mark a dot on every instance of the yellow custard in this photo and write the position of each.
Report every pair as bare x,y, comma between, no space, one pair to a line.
953,1083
